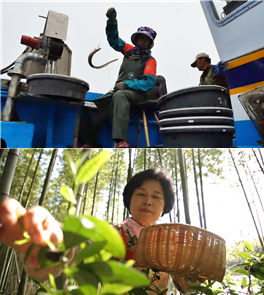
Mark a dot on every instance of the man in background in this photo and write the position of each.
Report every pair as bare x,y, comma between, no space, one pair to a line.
212,74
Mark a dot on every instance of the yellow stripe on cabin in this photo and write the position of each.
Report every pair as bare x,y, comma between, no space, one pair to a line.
245,59
243,89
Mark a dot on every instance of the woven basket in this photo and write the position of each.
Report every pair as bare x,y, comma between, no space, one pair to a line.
182,250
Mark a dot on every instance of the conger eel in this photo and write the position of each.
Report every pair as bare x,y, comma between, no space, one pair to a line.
98,67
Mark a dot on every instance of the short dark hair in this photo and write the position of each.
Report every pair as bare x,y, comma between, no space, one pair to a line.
155,174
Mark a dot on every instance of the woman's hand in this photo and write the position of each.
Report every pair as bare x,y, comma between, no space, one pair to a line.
37,221
111,14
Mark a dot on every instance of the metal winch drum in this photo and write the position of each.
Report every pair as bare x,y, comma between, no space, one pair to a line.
55,85
197,117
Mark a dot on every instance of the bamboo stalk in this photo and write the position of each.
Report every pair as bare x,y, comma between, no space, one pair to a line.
145,159
116,176
176,184
110,189
129,175
4,266
261,168
26,176
22,288
252,178
8,173
48,176
252,193
7,267
201,184
17,269
2,151
85,197
33,180
79,196
160,160
184,187
95,187
261,242
197,191
261,157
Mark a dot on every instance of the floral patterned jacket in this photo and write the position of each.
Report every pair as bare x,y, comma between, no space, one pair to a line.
163,282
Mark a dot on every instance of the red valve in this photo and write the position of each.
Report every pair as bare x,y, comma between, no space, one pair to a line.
31,42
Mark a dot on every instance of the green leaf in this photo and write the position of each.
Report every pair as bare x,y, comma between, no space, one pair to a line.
129,263
208,292
90,168
199,288
244,255
42,258
138,291
50,245
84,157
91,250
248,246
242,271
70,161
71,239
26,235
116,288
244,282
112,272
29,250
39,291
164,291
52,281
105,255
45,287
77,230
256,271
102,256
67,193
72,211
228,278
21,242
88,283
115,244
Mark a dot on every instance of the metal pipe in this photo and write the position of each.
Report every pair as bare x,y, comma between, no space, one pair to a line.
22,59
16,74
12,92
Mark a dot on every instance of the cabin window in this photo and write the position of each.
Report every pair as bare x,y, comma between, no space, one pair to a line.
222,12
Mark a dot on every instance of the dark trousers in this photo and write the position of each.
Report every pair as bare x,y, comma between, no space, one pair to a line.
118,105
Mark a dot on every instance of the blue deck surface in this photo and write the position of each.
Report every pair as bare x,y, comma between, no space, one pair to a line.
51,123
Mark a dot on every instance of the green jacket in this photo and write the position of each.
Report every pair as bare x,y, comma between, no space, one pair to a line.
208,78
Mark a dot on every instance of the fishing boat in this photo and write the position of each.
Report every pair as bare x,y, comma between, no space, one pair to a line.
53,109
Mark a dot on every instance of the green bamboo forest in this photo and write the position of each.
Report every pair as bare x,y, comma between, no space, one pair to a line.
202,181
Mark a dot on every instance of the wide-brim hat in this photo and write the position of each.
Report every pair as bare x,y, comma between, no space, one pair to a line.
202,54
144,31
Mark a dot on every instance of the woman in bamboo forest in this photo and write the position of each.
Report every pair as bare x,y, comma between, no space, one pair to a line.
148,195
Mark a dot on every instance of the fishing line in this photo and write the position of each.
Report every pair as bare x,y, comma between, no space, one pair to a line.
107,67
